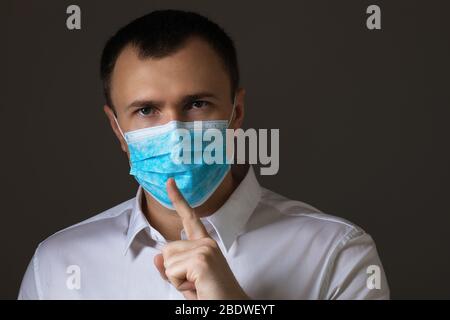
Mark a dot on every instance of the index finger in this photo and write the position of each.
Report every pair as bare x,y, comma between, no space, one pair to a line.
193,227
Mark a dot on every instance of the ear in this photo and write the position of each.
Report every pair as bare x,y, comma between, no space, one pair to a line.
111,117
238,117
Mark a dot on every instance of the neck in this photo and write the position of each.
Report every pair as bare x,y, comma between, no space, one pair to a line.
168,222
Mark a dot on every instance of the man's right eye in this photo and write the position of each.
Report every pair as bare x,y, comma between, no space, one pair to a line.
146,111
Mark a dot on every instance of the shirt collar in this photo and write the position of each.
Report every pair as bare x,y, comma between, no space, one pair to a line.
228,221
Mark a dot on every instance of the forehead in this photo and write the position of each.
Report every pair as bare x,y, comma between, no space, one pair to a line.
195,67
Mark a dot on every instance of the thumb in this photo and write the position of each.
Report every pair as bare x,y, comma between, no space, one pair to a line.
159,264
187,285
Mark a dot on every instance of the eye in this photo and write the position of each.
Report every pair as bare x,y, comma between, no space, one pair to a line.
198,104
145,111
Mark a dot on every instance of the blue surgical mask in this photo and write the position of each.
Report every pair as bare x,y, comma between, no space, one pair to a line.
152,162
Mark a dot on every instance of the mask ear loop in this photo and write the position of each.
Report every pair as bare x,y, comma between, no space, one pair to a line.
121,132
229,122
232,112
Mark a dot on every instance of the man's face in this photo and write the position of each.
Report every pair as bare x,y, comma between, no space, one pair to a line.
190,84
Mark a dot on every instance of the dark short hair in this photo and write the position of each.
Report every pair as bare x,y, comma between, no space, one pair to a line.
161,33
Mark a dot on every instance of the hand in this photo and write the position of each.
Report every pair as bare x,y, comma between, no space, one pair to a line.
196,266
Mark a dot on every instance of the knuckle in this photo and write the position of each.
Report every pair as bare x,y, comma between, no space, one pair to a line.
205,251
210,242
166,251
169,273
166,263
201,262
201,257
170,248
209,250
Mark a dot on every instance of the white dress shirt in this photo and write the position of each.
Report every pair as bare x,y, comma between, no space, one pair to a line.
277,249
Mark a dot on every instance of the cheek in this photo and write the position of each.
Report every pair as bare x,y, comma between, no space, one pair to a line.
126,122
222,113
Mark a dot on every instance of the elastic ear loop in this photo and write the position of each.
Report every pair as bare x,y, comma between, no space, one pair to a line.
232,112
121,132
229,122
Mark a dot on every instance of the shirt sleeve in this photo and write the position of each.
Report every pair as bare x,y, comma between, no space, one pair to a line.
355,270
30,287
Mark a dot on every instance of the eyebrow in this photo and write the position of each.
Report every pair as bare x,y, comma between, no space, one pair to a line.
184,100
198,96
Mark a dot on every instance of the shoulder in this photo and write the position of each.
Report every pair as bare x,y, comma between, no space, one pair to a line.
94,231
280,221
335,250
302,220
74,245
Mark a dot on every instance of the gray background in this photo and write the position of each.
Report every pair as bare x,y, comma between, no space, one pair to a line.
363,118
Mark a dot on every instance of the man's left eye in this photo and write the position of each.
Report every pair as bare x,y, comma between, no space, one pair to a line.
199,104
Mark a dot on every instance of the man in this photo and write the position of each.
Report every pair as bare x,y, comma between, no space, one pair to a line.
220,237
